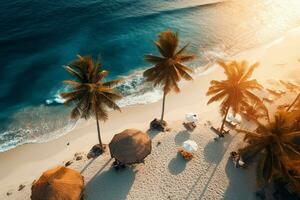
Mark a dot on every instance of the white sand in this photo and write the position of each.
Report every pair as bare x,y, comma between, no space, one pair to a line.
164,175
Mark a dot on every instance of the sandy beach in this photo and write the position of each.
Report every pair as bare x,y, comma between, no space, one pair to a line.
164,175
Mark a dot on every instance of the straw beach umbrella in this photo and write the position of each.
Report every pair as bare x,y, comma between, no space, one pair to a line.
59,183
130,146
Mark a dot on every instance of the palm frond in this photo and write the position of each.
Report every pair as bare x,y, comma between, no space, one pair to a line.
154,59
168,69
89,84
112,83
217,97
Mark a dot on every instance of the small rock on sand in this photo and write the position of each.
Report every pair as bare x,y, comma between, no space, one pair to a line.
8,193
21,187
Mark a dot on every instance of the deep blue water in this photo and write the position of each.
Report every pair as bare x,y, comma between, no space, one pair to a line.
38,37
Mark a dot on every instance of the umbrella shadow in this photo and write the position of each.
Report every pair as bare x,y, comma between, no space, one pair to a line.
110,184
177,165
182,136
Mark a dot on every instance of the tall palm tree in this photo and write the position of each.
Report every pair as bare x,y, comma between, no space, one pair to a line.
273,143
255,111
235,91
90,94
168,69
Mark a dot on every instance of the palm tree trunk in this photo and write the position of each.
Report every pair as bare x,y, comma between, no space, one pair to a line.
293,103
98,130
163,108
224,119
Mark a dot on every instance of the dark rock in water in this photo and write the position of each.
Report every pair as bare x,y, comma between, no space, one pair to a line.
96,151
8,193
68,163
21,187
158,125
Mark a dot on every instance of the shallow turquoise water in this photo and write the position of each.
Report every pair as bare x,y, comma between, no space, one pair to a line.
38,37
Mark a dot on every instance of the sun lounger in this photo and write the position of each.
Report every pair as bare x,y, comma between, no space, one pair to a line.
217,131
290,86
190,126
186,155
268,99
277,93
231,124
233,120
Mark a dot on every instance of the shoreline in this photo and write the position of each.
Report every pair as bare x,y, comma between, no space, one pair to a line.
200,71
25,163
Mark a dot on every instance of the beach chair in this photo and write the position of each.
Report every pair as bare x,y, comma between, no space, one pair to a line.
277,93
268,99
190,126
231,123
233,120
289,86
186,155
218,132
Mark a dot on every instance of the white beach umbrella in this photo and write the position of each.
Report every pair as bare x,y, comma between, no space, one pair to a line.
191,117
237,118
190,146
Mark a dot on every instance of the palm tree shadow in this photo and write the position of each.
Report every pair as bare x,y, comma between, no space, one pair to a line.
182,136
110,184
152,133
215,150
177,165
241,182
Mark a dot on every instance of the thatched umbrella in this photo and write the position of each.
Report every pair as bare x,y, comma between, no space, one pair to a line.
130,146
57,184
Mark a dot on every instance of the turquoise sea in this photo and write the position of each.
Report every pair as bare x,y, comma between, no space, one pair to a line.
38,37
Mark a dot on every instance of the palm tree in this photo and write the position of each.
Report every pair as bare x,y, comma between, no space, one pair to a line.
89,93
168,69
235,90
255,111
274,145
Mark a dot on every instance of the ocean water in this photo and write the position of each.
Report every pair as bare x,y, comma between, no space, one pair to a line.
38,37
